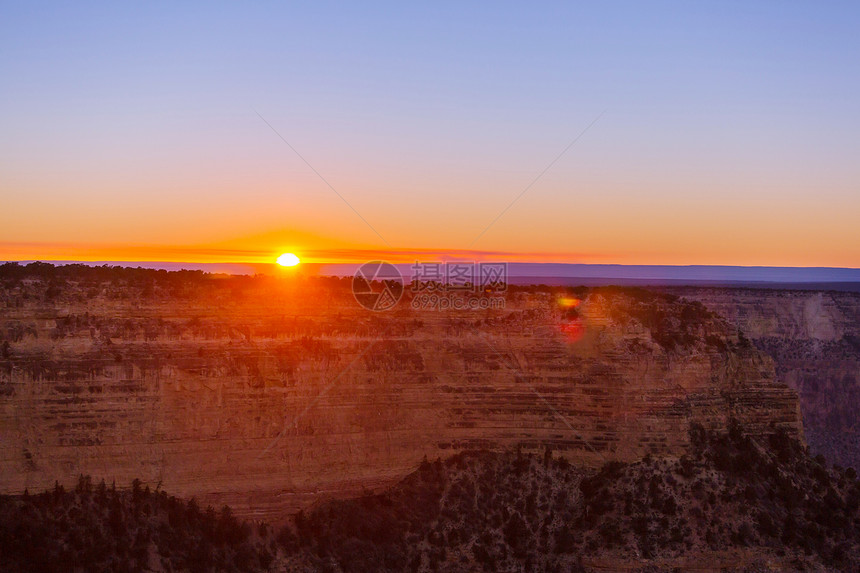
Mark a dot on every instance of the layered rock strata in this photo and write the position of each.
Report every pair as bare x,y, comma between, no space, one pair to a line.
814,340
269,395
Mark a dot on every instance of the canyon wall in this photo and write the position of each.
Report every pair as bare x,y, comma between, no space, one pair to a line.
270,395
814,340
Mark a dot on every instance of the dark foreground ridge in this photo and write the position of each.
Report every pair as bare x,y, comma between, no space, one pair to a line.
99,528
733,503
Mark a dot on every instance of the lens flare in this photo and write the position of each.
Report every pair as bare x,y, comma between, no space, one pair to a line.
568,302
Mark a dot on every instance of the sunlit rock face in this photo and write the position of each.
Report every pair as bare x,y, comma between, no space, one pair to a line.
814,340
271,395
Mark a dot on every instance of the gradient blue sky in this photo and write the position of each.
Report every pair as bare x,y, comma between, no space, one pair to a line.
730,132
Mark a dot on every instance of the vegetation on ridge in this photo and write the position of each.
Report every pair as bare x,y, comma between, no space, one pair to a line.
480,511
100,528
516,512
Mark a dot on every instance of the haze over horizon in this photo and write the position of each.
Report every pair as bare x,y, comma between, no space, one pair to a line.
668,134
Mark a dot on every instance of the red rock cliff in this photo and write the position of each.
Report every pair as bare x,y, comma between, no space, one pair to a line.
271,395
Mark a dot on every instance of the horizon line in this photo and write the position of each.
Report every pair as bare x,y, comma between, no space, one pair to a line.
393,261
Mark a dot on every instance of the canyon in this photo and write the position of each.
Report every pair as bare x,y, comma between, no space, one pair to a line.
271,395
813,337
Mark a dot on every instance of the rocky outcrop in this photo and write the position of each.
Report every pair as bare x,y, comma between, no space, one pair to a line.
271,395
814,340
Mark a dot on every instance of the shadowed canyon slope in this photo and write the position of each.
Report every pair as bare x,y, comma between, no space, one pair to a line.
814,340
272,394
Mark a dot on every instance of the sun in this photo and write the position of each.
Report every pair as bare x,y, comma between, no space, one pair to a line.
288,260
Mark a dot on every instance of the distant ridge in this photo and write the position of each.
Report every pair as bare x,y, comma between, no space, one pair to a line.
817,278
643,275
604,281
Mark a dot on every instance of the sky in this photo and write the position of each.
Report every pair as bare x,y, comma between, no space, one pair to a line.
670,133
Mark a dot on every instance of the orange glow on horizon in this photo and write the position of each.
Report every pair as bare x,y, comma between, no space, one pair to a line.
265,248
